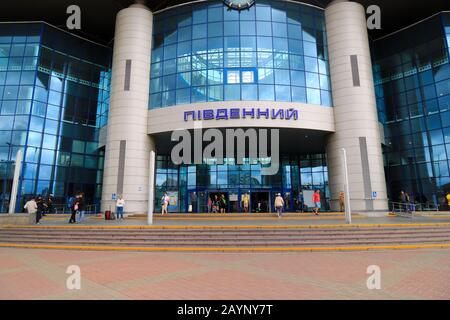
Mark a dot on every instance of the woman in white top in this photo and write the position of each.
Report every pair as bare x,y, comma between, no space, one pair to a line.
165,203
279,204
119,205
31,207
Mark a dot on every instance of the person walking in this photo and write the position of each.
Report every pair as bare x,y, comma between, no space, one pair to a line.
316,200
215,204
32,208
287,201
245,202
165,203
408,203
223,204
279,203
81,207
301,201
40,208
342,201
120,203
405,200
72,204
49,204
448,200
209,204
194,202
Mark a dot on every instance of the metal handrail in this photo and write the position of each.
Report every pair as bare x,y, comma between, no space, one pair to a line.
411,207
63,209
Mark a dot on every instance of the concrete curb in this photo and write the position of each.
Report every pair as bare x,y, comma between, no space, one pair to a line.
228,249
324,226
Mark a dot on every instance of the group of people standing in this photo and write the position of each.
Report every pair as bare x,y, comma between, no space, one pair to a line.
409,203
77,207
76,204
216,204
39,206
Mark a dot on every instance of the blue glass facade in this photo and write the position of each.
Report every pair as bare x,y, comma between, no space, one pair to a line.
54,93
412,78
205,52
297,173
274,51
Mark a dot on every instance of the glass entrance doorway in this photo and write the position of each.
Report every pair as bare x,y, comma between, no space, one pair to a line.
233,198
202,202
298,172
260,201
220,201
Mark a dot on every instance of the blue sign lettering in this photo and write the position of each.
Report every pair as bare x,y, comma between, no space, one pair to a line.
244,113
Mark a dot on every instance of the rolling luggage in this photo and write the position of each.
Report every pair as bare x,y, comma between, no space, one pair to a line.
108,215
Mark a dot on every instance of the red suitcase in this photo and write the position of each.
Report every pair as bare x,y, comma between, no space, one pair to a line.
108,215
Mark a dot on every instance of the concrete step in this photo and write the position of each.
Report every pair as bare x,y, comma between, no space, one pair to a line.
221,232
225,237
252,243
221,236
224,229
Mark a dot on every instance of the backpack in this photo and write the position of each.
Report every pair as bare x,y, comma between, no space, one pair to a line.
70,203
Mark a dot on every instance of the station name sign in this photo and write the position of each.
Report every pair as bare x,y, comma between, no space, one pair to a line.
241,113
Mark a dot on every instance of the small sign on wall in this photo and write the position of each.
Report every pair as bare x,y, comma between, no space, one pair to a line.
114,196
374,194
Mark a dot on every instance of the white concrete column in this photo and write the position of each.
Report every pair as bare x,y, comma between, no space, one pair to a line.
355,112
15,185
128,145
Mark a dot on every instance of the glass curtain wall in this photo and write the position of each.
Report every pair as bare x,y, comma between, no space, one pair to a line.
297,173
54,89
412,82
273,51
19,50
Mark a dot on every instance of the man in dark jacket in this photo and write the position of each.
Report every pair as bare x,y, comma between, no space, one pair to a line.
71,205
49,204
40,208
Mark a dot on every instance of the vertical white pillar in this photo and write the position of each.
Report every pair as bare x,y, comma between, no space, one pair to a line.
128,145
151,188
15,185
347,203
355,112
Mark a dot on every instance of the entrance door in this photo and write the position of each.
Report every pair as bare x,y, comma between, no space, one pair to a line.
202,202
233,200
260,201
193,202
216,197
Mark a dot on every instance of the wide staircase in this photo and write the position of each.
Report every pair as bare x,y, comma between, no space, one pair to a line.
230,238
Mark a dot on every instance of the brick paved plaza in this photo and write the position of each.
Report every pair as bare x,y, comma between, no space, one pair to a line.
41,274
